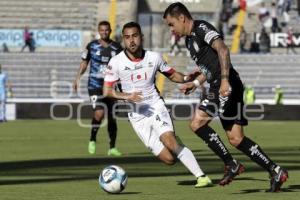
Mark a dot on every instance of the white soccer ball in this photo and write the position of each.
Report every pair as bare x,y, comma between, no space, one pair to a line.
113,179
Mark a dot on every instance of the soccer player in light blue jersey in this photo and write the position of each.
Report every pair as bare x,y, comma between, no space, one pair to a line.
3,85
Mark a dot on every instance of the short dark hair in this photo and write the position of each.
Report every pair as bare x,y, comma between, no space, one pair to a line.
176,9
132,25
104,23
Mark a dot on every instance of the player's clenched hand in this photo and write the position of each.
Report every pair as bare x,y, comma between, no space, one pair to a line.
187,88
225,88
135,97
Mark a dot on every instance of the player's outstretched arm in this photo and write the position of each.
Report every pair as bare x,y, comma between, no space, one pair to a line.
189,87
176,77
179,77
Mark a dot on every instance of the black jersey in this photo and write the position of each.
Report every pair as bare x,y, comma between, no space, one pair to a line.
99,56
199,45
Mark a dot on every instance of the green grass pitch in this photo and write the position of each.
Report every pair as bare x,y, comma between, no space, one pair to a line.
47,160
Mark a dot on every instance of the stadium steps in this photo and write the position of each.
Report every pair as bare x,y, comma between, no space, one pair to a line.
68,14
43,75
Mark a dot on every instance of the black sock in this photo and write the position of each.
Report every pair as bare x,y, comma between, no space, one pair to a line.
214,142
94,130
112,131
255,153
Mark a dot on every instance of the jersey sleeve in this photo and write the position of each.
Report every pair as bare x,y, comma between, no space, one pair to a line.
163,66
207,32
111,73
86,54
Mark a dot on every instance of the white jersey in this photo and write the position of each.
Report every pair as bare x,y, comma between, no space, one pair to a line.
136,76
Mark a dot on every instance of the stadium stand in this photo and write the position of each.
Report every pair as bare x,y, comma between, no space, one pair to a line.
252,24
263,72
50,75
42,75
56,14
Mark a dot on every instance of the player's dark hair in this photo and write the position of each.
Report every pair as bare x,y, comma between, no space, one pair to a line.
176,9
132,25
104,23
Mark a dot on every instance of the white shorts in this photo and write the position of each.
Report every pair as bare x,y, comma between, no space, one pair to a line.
150,128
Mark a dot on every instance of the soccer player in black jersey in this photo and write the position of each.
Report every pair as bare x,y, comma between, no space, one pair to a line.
98,54
224,98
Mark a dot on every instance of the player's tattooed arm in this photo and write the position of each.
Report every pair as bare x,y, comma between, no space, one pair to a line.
224,60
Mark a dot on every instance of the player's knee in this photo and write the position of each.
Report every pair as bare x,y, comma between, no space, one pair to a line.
167,157
169,160
196,124
98,116
235,140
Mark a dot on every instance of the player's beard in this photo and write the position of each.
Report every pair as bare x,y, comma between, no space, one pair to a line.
134,50
106,39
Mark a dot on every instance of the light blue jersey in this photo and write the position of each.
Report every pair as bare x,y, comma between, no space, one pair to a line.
3,78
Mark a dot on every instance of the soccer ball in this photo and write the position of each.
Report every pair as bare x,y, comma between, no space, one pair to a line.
113,179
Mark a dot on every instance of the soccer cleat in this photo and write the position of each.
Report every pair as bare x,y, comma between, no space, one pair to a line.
278,177
114,152
231,171
92,147
203,182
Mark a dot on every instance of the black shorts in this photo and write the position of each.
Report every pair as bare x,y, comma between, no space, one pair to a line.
99,102
234,106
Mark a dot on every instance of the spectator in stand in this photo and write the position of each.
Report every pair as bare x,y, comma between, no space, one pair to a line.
249,95
118,34
278,95
224,18
263,12
288,5
298,8
28,40
290,41
227,12
275,27
4,48
243,40
265,41
280,6
26,37
32,43
285,8
243,4
175,43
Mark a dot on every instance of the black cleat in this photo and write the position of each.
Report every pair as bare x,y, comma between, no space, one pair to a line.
231,171
278,177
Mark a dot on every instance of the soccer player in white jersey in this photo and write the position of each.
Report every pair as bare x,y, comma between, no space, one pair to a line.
135,68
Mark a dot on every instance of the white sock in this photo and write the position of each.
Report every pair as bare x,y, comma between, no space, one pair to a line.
188,159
